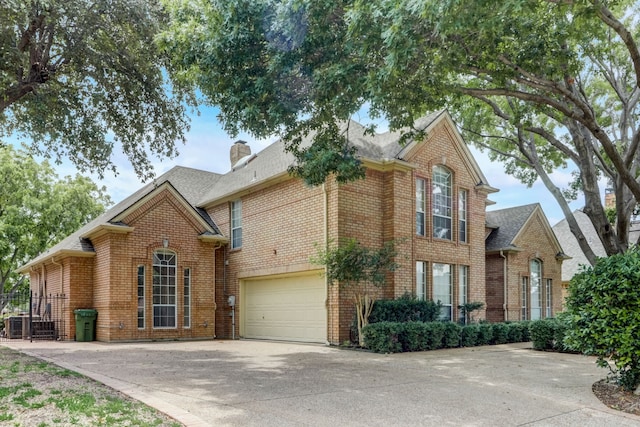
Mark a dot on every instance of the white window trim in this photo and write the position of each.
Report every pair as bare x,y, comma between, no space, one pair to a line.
524,299
463,287
236,224
174,266
446,306
535,288
421,205
421,280
463,201
141,298
549,297
186,298
442,210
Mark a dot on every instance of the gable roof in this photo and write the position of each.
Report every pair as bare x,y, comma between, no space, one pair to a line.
572,247
187,183
271,163
508,225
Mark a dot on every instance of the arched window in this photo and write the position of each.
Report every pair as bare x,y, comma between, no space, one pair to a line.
441,203
164,289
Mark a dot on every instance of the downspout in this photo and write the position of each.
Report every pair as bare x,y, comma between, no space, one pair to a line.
326,247
505,298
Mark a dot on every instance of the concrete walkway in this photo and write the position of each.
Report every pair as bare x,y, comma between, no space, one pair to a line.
257,383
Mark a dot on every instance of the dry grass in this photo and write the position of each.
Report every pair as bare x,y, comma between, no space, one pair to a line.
37,393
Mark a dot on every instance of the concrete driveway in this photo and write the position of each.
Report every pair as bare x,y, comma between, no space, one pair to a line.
257,383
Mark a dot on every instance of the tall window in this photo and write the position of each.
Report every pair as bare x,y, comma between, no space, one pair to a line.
420,207
548,300
236,224
462,216
536,289
442,289
463,288
441,205
421,280
186,292
525,299
141,297
164,289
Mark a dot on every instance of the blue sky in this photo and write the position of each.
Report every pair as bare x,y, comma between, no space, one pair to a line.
208,146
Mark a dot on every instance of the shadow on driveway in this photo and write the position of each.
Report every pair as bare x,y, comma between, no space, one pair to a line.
258,383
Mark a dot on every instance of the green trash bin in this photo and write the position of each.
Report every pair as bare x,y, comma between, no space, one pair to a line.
85,324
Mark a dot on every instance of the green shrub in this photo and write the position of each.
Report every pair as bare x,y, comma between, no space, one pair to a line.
514,332
603,315
485,334
451,335
542,334
526,332
499,333
383,337
469,335
435,334
405,309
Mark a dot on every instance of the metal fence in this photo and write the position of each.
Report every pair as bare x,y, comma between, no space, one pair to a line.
32,316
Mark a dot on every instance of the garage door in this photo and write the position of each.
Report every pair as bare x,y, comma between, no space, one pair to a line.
285,308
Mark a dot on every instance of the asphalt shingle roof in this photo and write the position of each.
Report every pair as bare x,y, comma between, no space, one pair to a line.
506,224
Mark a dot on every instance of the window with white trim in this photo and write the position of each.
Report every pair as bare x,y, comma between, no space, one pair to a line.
420,207
463,288
236,224
164,289
536,289
462,216
441,203
186,298
141,296
442,289
421,280
524,296
548,298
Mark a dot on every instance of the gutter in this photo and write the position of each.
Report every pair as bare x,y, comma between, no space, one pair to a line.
505,300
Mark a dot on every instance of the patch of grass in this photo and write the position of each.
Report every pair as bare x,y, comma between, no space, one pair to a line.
76,402
6,417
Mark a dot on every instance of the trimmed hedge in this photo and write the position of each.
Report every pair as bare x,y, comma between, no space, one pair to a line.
393,337
549,334
404,309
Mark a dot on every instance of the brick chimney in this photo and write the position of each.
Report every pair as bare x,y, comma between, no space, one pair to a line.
239,150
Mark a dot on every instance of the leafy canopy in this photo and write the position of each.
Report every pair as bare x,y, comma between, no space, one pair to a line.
77,77
542,84
38,209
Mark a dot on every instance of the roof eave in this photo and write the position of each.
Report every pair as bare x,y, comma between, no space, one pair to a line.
258,185
213,238
61,254
103,229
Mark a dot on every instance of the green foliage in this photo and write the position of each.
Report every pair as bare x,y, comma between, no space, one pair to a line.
383,337
469,335
467,309
518,331
452,335
549,334
392,337
539,83
405,309
76,78
34,217
500,333
485,334
356,267
603,315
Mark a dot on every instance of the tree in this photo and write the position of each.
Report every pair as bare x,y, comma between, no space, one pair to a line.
540,83
76,77
37,209
352,266
603,317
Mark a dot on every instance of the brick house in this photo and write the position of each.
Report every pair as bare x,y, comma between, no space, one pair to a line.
523,264
198,255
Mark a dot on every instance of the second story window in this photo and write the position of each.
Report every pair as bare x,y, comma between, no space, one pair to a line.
441,203
462,216
420,207
236,224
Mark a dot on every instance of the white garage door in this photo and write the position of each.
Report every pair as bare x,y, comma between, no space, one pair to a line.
285,308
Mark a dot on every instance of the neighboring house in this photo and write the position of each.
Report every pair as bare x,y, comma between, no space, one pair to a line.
197,255
523,264
572,248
